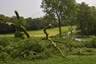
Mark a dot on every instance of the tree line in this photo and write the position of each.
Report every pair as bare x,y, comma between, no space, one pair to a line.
28,23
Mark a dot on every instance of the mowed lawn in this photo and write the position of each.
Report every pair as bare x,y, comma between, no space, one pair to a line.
40,33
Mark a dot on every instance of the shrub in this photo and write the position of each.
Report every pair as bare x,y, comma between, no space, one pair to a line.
4,56
15,53
34,55
83,51
4,42
91,42
19,35
28,48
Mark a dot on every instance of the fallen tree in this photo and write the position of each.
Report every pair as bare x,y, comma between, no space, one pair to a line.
50,40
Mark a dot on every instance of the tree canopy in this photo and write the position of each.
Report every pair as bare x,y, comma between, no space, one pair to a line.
86,19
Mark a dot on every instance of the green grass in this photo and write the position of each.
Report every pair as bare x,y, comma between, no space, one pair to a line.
58,60
40,33
52,31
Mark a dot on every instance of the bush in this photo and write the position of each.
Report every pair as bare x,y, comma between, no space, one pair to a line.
4,56
22,49
28,48
69,41
4,42
19,35
15,53
83,51
91,42
34,55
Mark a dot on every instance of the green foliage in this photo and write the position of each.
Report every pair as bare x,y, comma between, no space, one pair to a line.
36,48
28,23
57,8
4,56
73,47
4,42
69,41
35,24
23,49
83,51
19,35
61,10
86,18
4,28
91,42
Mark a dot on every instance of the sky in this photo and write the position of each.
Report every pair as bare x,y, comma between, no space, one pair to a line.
28,8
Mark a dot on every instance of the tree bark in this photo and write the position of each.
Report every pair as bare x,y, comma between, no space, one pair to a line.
53,43
23,29
47,36
59,22
59,26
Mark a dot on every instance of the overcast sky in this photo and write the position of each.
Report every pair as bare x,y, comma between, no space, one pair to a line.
28,8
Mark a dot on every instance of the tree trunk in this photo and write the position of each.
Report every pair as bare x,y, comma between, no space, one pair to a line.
28,36
21,27
59,26
59,23
45,31
53,43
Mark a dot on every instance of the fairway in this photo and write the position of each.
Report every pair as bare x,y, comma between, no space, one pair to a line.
40,33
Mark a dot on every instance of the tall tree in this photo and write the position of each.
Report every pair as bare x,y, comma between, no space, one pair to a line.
86,18
61,9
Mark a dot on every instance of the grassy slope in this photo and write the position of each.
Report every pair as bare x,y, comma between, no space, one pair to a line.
52,32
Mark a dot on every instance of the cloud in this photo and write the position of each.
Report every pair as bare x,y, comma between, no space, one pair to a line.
27,8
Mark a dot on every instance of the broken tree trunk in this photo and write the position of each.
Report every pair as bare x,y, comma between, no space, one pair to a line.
24,30
53,43
21,27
